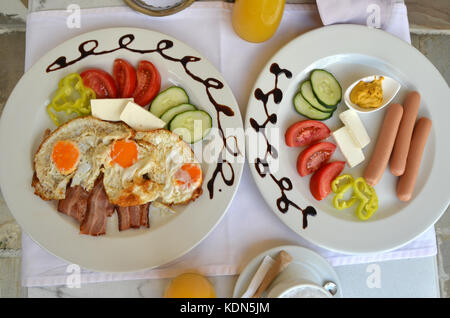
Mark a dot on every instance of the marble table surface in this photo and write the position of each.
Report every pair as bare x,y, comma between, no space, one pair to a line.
403,278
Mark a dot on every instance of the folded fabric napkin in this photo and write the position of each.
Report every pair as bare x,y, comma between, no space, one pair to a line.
242,233
376,13
258,277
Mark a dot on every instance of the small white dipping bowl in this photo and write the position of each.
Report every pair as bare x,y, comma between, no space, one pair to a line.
390,89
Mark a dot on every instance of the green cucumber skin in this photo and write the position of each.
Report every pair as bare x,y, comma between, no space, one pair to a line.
318,99
164,92
322,119
171,123
171,109
311,117
328,108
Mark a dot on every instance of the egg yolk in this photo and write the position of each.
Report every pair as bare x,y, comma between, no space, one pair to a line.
65,156
188,174
190,285
124,153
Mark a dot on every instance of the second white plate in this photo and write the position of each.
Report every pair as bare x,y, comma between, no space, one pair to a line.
349,52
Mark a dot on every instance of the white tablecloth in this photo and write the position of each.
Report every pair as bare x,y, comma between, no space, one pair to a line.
242,234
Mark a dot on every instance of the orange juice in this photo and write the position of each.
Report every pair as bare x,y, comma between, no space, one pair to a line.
257,20
190,285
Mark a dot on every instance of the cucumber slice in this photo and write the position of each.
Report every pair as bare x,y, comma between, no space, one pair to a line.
167,99
308,94
192,125
326,88
172,112
304,108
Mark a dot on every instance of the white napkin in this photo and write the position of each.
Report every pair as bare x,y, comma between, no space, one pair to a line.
373,13
376,13
258,277
243,233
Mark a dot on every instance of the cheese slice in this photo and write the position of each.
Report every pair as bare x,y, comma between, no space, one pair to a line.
355,127
109,108
352,153
139,118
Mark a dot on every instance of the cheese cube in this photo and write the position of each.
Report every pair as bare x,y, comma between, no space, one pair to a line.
139,118
352,153
108,108
355,127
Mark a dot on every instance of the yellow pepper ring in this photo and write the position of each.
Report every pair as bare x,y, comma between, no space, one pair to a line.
368,198
361,188
338,201
72,97
340,182
372,205
362,192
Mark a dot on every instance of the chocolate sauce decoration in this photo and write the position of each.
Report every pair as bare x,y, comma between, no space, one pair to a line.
261,164
89,48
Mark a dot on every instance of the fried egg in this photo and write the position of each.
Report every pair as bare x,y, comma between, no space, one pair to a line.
179,173
74,152
126,171
138,167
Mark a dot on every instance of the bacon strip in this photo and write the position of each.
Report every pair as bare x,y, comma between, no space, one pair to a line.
133,216
93,208
98,210
75,204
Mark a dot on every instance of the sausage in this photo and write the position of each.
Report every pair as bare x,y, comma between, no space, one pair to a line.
385,142
406,183
405,131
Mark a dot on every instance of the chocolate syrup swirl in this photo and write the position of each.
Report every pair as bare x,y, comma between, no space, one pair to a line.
261,164
230,143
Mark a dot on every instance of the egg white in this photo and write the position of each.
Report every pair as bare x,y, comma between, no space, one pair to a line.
92,137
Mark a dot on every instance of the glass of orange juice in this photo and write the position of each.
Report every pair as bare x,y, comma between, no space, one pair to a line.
257,20
190,285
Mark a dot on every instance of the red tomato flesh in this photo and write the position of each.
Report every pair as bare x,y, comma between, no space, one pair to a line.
320,183
314,157
125,77
305,132
148,83
100,82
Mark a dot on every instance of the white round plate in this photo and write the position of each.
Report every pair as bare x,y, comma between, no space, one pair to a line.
349,52
305,262
24,120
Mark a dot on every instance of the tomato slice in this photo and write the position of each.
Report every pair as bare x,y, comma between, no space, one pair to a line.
101,82
314,157
305,132
148,83
320,183
125,76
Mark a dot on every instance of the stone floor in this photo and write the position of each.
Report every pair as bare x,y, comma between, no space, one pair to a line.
12,52
437,49
432,39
